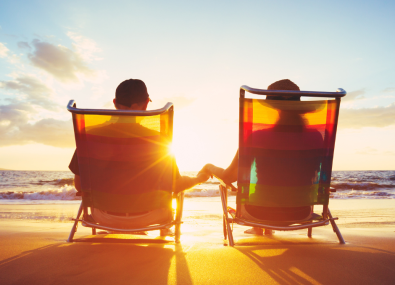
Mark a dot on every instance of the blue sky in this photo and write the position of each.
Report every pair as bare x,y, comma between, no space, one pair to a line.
196,55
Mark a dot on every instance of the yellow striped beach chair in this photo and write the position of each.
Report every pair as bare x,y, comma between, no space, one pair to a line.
126,168
285,161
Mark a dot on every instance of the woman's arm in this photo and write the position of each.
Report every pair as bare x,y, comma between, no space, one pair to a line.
228,175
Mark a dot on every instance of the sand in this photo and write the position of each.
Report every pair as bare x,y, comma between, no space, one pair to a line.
33,249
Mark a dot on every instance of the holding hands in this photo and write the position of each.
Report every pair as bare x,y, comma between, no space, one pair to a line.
204,174
206,170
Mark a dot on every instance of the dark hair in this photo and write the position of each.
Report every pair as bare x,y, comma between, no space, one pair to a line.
284,84
131,91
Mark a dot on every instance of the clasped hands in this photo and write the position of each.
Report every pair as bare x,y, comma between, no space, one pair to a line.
205,173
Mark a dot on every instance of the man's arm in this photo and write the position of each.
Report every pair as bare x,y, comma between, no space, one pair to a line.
77,182
74,167
186,182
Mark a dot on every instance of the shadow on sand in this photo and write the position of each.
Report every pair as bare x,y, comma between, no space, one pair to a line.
315,261
122,259
99,260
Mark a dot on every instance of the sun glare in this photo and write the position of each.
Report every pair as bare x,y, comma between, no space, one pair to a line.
174,204
171,149
189,151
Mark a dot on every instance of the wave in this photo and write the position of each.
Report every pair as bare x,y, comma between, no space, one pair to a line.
196,192
363,194
64,193
55,217
68,193
56,182
360,186
61,190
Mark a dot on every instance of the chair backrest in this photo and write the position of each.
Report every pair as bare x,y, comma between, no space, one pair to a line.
124,159
286,149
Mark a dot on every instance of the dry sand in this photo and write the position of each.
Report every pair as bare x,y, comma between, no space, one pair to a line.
33,249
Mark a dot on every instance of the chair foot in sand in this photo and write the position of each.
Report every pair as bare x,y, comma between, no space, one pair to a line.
255,231
166,232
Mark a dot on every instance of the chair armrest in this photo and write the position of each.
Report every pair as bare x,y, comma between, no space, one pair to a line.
176,195
226,185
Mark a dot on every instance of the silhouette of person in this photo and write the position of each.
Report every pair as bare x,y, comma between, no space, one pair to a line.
273,156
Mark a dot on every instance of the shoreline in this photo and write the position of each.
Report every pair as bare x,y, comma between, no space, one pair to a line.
349,210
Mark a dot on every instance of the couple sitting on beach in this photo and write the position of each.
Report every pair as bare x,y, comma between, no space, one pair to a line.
132,95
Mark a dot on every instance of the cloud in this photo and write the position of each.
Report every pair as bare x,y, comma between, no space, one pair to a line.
108,105
6,53
27,97
49,132
389,90
367,151
178,101
24,45
16,130
86,48
367,117
3,51
372,151
28,110
61,62
351,96
14,114
32,89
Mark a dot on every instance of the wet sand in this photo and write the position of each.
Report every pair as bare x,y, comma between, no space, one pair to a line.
33,249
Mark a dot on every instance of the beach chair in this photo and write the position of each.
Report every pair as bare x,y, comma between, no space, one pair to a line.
285,162
126,168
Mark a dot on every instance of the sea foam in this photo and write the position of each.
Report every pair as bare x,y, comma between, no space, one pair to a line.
65,192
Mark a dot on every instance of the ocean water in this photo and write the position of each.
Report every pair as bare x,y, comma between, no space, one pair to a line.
48,187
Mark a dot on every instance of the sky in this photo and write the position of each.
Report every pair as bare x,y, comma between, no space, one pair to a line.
195,54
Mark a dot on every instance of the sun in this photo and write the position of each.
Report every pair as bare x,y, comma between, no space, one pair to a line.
172,149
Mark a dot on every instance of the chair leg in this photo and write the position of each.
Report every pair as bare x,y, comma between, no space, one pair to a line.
309,232
223,216
74,228
224,227
336,229
225,209
180,205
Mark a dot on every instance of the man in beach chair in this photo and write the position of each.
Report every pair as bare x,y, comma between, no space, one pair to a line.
122,165
284,162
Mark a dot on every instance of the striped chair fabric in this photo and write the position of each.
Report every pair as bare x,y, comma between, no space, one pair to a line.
286,152
125,163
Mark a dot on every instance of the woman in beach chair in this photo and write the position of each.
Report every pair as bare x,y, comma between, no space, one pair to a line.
284,163
123,168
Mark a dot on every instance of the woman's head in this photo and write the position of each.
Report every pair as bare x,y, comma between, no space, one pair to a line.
284,84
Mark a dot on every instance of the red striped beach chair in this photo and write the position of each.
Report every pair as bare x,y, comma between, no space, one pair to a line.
125,167
285,162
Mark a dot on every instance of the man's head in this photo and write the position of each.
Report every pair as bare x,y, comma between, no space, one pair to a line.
284,84
131,94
